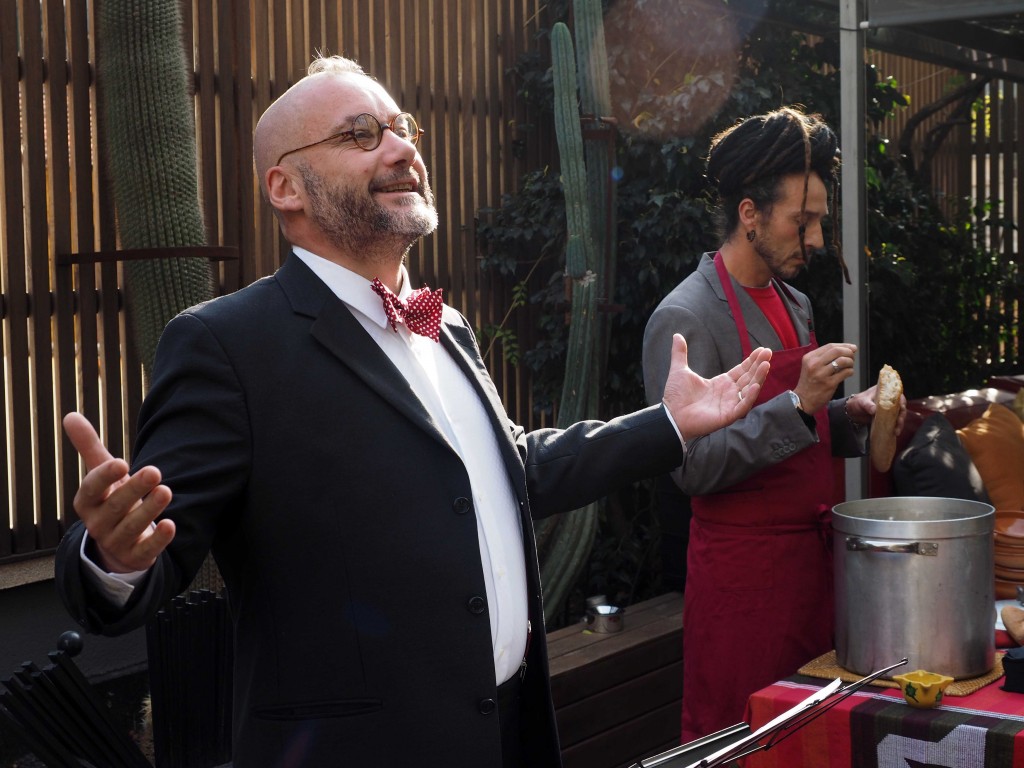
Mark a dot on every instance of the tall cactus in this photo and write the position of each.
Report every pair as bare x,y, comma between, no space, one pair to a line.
581,259
565,542
595,105
147,114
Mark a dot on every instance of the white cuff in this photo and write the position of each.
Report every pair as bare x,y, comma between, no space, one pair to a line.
675,426
116,587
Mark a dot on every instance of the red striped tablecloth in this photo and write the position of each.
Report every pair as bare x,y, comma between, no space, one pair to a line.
874,728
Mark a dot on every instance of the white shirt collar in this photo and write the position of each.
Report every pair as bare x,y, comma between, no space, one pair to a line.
351,288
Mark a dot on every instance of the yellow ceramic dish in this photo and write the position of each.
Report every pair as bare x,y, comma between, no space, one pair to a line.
921,688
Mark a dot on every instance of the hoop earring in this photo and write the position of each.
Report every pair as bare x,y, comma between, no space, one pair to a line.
751,234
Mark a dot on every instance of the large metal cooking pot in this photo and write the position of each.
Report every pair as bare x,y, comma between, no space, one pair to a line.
914,578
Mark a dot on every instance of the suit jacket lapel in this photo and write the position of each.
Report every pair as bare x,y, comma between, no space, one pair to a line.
340,333
760,330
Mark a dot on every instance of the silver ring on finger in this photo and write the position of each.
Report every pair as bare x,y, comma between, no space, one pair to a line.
835,366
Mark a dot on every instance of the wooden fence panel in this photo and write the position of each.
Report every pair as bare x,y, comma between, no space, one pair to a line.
1013,191
11,240
47,410
18,202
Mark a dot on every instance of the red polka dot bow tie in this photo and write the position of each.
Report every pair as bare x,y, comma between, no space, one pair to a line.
421,312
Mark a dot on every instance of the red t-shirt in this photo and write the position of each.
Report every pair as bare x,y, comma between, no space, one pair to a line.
770,302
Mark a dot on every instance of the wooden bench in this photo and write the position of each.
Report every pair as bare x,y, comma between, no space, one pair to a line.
618,696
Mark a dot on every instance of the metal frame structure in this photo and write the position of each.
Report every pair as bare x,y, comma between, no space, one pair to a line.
983,37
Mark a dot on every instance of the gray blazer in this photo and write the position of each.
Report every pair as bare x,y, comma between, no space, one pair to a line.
699,310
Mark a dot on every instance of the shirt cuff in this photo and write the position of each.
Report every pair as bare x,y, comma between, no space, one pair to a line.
675,426
116,587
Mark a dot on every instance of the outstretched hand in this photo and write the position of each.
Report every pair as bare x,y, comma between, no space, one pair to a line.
118,508
700,405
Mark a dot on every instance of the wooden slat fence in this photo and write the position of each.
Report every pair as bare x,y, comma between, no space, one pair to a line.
61,330
63,337
64,344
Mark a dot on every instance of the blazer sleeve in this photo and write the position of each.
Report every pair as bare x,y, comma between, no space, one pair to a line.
193,427
569,468
88,606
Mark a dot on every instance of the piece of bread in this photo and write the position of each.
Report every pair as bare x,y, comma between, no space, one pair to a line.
887,412
1013,620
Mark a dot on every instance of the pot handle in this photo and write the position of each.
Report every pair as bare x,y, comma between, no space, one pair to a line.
927,548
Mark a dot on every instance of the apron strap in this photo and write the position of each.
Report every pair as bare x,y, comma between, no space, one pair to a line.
734,304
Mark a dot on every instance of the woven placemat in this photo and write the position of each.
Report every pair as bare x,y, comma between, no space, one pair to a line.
827,667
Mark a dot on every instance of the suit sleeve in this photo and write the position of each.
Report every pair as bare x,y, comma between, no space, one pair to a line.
569,468
193,427
765,436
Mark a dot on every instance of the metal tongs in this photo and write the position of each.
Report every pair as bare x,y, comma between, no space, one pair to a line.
786,724
793,720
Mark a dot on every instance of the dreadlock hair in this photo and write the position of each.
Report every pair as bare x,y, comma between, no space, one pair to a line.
750,159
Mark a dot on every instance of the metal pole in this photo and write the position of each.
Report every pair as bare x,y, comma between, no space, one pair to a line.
855,298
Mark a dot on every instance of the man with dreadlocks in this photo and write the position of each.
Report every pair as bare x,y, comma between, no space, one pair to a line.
758,595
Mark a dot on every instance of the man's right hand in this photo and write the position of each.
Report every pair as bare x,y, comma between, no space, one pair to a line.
822,370
700,406
118,509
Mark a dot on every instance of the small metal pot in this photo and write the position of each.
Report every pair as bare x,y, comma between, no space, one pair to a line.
604,618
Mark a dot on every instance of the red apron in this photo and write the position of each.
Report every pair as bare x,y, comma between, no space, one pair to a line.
758,600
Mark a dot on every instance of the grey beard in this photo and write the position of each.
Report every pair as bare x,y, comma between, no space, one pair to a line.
357,223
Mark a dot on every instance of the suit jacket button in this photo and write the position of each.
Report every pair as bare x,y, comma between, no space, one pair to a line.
487,706
477,605
462,505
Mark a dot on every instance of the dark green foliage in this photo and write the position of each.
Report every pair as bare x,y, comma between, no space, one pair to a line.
625,562
931,263
930,288
929,280
531,222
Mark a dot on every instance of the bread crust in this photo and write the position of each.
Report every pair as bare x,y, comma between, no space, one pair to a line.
887,412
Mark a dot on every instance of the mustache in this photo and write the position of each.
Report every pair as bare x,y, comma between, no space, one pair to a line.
409,176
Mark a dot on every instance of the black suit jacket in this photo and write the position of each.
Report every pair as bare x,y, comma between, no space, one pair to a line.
342,523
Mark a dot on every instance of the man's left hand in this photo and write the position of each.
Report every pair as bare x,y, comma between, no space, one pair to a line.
700,405
861,408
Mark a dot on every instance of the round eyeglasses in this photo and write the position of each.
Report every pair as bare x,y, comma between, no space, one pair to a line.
367,133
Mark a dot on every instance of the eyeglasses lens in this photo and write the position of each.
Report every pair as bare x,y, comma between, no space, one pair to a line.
405,127
367,130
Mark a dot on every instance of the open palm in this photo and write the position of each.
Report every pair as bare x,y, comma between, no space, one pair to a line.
700,406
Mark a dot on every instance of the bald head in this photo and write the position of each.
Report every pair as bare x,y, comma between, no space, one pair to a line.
298,116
